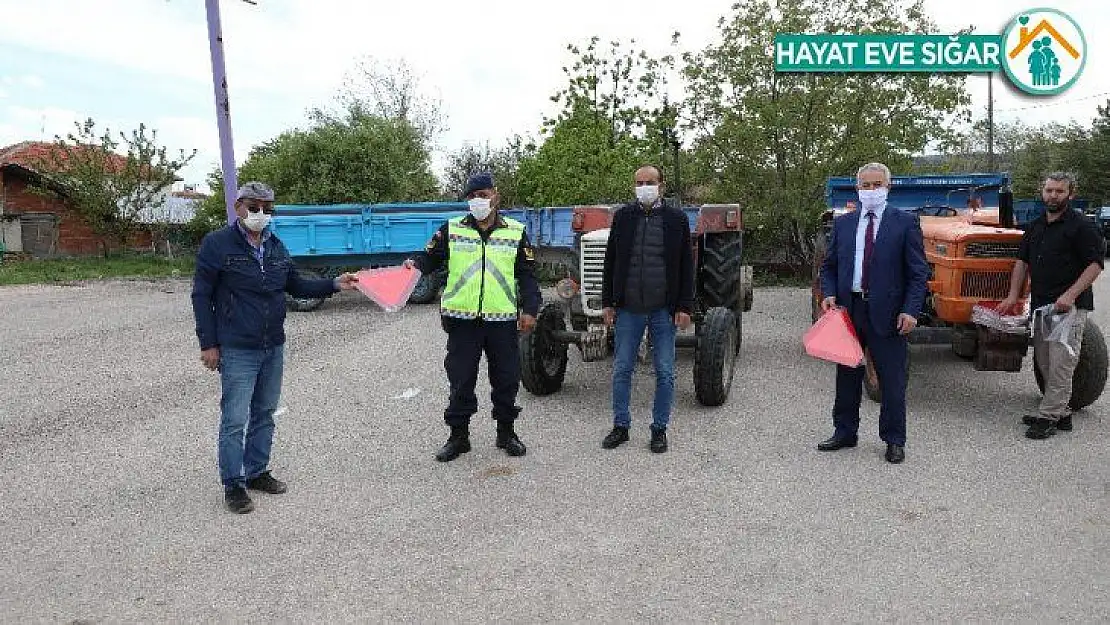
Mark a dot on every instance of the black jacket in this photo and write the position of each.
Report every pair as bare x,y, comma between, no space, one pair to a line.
436,253
679,255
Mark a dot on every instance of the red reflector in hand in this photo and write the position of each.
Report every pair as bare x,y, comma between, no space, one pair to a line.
389,287
834,339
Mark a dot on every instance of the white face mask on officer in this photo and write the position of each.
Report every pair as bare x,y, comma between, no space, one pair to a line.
480,207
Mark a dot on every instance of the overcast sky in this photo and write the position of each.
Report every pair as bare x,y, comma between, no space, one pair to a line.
493,64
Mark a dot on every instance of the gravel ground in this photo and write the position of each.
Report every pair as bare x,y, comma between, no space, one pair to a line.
112,509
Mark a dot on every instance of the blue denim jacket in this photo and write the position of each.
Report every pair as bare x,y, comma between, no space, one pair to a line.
239,301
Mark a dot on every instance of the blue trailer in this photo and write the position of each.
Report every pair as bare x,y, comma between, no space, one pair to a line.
326,239
931,195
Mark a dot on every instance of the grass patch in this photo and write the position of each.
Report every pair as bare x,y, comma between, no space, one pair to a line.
771,275
76,269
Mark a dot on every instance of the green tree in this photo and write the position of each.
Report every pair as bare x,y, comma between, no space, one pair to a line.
503,163
1097,184
770,139
360,159
110,179
612,119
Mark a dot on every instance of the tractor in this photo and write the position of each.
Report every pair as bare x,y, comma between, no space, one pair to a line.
971,253
723,294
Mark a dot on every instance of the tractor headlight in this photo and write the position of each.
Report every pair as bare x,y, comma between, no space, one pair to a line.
567,288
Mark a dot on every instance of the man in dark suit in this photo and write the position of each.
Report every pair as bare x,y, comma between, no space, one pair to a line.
875,267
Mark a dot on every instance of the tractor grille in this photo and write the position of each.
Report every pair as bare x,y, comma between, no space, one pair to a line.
985,284
992,249
592,264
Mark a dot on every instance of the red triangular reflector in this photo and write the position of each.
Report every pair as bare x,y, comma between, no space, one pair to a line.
389,287
834,339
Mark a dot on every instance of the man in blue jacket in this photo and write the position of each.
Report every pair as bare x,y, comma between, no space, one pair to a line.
875,267
647,283
242,274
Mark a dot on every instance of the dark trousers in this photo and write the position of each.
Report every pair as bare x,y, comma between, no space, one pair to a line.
889,355
466,340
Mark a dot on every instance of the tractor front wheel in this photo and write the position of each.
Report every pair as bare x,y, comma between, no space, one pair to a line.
543,359
715,356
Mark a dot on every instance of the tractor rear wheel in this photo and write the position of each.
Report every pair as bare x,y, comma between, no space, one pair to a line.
721,270
1089,379
715,356
543,359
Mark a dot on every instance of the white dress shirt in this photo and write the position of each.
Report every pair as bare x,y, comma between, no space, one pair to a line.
861,232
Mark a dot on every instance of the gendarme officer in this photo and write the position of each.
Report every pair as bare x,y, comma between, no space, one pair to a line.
490,295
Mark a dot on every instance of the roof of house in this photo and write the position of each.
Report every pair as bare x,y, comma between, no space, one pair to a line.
29,154
190,195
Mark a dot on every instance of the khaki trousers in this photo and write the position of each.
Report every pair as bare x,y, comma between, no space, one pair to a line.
1057,365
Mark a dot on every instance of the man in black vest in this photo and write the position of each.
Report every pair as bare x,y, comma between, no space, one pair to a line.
648,283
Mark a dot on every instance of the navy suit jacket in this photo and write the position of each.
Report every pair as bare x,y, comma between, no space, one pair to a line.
898,272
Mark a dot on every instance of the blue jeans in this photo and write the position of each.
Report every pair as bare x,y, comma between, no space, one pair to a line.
629,332
251,381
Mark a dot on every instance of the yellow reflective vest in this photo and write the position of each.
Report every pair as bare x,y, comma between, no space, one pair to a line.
481,276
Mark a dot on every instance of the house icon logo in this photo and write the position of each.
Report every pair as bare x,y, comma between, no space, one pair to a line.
1044,51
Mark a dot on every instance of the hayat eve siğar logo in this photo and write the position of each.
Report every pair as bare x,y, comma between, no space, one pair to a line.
1045,51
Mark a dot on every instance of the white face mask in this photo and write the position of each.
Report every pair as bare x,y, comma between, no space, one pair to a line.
872,198
480,207
256,222
647,194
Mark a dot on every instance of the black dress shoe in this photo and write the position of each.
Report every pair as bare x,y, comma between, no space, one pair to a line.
267,484
895,454
834,443
1041,429
615,438
511,444
658,443
453,448
1063,425
238,501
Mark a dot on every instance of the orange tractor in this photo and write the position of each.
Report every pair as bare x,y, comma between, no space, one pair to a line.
723,293
971,252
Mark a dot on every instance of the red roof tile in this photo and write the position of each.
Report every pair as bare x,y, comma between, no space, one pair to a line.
28,154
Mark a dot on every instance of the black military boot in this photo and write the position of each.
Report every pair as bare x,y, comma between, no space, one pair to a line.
508,440
457,444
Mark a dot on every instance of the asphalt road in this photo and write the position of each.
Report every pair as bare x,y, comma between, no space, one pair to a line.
112,510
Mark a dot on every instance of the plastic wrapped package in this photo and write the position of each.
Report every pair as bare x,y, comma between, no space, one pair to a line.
990,318
1055,326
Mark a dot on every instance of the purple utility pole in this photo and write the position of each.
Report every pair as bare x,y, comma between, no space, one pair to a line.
223,107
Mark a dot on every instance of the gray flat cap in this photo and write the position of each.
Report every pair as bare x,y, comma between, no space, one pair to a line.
255,191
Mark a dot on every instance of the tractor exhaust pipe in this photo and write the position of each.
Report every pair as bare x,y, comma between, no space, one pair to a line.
1006,207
